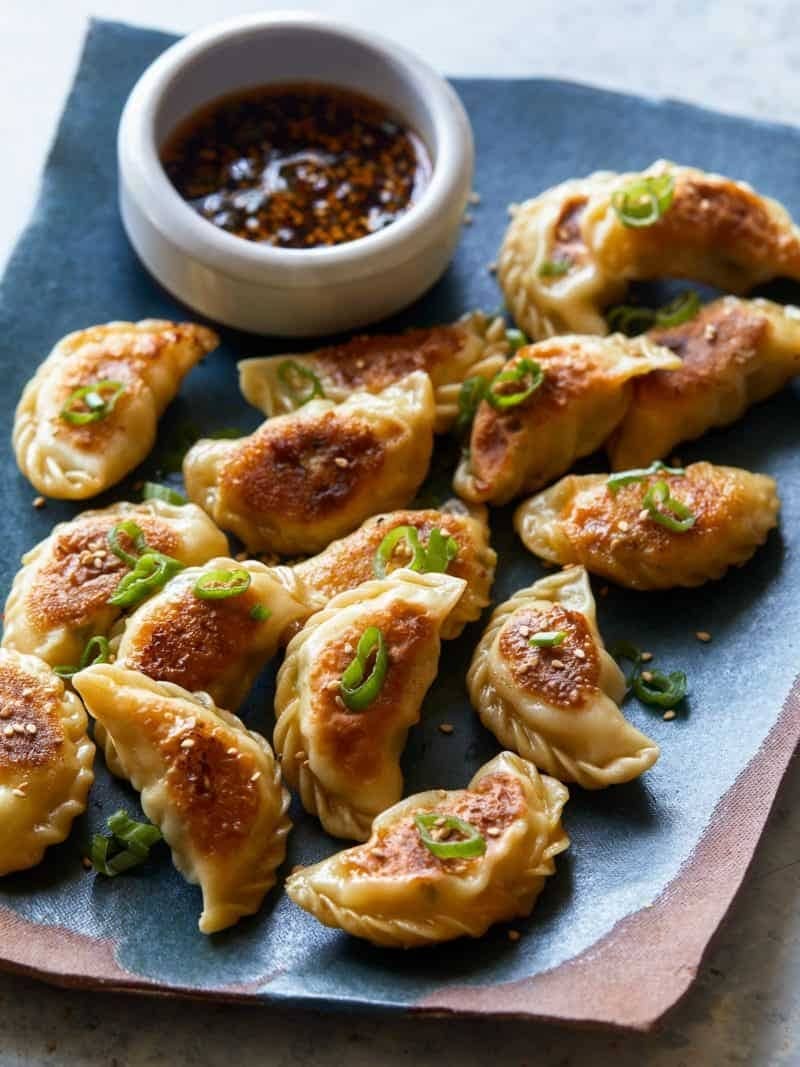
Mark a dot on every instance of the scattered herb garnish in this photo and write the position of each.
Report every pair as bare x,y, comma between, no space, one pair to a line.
435,557
472,391
135,533
151,571
554,268
650,686
631,319
221,584
548,639
259,613
94,651
516,339
154,491
470,844
301,383
527,375
91,403
666,509
644,200
358,686
128,845
638,474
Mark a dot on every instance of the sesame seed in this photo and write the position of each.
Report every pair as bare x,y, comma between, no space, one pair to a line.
668,715
340,461
255,776
710,332
646,657
360,364
557,663
187,743
338,701
31,728
493,831
647,676
580,653
18,792
514,935
644,514
624,526
574,694
474,198
39,501
5,713
492,268
241,557
9,731
349,649
703,635
467,219
441,821
446,727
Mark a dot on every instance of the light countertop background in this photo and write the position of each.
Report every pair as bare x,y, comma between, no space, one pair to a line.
734,55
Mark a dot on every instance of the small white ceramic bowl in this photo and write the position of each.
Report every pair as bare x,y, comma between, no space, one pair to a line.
291,292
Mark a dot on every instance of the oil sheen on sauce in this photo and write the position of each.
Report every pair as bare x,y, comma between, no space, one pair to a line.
297,166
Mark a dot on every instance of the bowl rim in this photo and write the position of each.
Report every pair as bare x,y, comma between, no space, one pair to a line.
144,178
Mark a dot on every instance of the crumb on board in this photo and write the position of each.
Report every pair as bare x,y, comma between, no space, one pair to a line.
669,715
446,727
514,935
703,635
39,501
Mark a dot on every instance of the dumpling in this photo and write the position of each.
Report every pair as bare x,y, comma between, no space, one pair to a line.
585,391
347,563
303,479
46,760
568,254
89,414
659,530
474,346
202,633
59,599
340,738
494,845
735,353
557,704
212,786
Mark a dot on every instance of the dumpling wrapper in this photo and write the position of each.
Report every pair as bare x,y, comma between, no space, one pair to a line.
346,764
474,346
716,231
393,891
557,707
150,358
587,388
735,353
304,479
579,520
59,598
212,786
46,760
349,562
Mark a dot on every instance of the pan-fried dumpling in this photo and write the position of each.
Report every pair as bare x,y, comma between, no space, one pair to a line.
46,760
340,739
735,353
647,537
586,389
568,254
347,563
395,891
303,479
192,636
59,599
557,705
475,346
89,414
212,786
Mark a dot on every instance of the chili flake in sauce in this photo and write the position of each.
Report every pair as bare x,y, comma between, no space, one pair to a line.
297,166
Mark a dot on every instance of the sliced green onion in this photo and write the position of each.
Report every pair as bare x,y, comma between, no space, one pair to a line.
470,844
644,200
525,369
628,651
554,268
221,584
226,433
631,319
666,510
154,491
94,651
88,403
516,340
680,310
259,613
301,383
441,550
359,688
638,474
151,571
135,533
548,639
472,391
662,690
128,845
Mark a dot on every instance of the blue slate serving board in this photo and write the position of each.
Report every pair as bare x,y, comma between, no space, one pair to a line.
619,931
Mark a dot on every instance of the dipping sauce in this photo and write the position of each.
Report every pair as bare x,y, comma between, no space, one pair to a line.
297,166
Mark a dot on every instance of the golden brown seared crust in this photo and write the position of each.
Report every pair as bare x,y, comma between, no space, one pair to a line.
356,742
557,674
31,731
376,360
495,802
83,572
292,469
737,329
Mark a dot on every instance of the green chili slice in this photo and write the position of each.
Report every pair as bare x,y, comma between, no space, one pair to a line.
136,535
638,474
554,268
301,383
471,843
548,639
91,403
516,339
662,690
127,846
525,369
221,584
154,491
472,391
628,651
440,552
151,572
259,613
643,201
436,557
680,310
666,510
359,688
94,651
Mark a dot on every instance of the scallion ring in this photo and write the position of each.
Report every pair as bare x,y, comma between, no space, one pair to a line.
683,308
259,613
95,650
471,843
548,639
666,510
472,391
128,846
526,369
662,690
554,268
154,491
436,557
221,584
627,651
616,481
440,551
643,201
91,403
516,339
135,533
151,571
359,688
631,319
300,382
